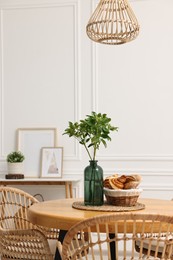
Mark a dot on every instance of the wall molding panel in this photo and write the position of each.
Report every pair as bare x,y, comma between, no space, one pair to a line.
97,51
1,89
38,5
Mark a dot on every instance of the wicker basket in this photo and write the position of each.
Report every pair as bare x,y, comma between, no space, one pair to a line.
126,198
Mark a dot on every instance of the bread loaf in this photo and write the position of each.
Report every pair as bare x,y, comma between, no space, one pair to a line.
122,182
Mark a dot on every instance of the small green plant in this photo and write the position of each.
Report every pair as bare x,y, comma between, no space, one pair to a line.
15,157
93,131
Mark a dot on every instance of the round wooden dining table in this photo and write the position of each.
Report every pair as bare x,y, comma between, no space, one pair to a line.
60,213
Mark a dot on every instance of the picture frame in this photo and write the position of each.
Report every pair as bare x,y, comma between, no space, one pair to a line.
29,142
51,162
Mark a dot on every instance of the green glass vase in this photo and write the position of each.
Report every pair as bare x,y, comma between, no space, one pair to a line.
93,184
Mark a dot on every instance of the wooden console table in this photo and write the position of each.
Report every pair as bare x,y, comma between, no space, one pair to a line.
38,181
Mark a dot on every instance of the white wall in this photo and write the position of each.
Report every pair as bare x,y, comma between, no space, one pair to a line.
51,73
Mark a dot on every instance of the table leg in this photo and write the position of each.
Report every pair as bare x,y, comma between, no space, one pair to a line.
112,246
62,234
66,190
71,191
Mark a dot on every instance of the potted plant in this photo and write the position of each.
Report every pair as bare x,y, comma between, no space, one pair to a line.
91,132
15,162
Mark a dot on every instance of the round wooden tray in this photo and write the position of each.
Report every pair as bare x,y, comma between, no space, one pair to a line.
107,207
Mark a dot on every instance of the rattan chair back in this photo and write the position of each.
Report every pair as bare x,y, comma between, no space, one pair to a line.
153,246
113,236
14,204
19,238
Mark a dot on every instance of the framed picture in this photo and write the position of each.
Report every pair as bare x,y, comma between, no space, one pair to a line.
29,142
51,162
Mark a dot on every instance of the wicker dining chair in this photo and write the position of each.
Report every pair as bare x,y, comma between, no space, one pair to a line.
19,238
153,245
113,236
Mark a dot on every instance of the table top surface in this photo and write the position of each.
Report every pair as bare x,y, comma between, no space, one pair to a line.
60,213
37,180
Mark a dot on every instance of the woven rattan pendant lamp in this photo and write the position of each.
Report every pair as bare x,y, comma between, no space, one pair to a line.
113,22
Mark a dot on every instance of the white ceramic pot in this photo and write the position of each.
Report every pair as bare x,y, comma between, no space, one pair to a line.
15,168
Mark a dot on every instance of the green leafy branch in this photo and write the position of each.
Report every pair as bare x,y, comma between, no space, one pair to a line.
93,131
